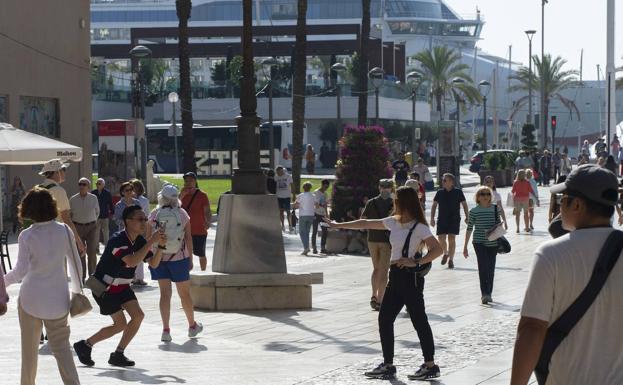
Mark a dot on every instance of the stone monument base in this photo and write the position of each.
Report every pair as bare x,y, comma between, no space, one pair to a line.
252,291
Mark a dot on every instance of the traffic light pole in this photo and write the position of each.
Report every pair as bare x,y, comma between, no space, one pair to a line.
553,133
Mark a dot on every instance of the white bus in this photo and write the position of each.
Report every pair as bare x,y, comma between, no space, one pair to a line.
215,147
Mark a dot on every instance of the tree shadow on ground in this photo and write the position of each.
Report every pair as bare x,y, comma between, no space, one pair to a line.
191,346
140,376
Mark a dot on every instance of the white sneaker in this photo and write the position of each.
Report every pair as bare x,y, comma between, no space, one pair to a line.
192,332
166,336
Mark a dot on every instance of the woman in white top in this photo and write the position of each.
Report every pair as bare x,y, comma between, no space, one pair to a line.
44,249
177,259
307,204
496,199
406,285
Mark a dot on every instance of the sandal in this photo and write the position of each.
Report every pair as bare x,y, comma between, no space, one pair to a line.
374,304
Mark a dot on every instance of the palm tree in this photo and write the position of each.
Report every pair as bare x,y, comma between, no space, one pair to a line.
298,99
439,68
362,114
183,8
554,79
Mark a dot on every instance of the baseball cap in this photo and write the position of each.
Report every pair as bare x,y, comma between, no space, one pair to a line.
169,191
414,184
53,165
84,180
190,175
387,183
595,183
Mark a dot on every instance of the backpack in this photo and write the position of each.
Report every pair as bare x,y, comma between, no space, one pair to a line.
174,229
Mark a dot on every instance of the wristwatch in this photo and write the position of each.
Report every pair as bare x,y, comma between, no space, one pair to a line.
162,247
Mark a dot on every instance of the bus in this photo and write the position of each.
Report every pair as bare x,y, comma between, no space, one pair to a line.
215,147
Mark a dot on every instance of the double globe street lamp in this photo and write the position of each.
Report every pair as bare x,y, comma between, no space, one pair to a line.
414,80
338,68
376,74
484,87
270,63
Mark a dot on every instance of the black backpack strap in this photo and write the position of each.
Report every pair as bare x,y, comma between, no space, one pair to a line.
187,208
405,247
558,331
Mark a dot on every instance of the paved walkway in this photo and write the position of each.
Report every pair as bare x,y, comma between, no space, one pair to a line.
331,344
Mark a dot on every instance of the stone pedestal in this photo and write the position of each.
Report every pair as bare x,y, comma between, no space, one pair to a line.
248,237
249,261
216,291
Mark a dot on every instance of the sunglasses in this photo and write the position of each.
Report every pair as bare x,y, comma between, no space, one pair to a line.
485,194
83,184
128,190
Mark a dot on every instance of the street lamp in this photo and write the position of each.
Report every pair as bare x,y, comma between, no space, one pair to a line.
338,68
530,33
138,109
174,98
456,83
484,87
414,79
376,74
270,63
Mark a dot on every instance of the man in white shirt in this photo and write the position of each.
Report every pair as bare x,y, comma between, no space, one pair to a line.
284,193
85,210
54,173
321,213
591,353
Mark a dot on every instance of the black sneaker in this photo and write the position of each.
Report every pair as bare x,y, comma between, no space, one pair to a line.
425,373
84,353
382,372
119,359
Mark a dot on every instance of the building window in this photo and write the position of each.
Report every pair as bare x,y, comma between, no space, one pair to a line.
4,109
39,115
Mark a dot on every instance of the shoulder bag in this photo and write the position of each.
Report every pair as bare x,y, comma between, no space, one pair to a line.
79,304
187,208
558,331
504,246
420,270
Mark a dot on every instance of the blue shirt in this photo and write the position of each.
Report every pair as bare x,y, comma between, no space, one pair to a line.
119,207
105,200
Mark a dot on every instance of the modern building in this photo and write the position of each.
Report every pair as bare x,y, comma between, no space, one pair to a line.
45,81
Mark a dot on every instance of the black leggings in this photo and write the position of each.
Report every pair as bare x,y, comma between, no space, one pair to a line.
486,257
318,219
403,290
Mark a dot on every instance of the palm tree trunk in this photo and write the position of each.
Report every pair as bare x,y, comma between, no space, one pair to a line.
298,99
183,8
362,115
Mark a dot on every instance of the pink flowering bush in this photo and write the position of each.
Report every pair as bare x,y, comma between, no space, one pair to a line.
364,159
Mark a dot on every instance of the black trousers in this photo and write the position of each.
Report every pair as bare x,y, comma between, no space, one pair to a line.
486,257
323,237
404,289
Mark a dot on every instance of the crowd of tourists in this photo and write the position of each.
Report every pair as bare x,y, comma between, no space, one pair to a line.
557,323
165,238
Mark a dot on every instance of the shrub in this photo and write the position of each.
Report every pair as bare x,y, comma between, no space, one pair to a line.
364,160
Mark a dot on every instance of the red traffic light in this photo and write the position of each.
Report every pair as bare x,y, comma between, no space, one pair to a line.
553,122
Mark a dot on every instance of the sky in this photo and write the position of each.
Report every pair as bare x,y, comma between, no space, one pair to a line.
570,26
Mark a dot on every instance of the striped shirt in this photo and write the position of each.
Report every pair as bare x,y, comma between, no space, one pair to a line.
481,219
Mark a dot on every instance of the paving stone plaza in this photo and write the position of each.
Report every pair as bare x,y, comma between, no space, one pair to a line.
331,344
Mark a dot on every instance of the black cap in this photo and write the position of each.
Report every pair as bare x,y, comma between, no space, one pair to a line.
190,175
595,183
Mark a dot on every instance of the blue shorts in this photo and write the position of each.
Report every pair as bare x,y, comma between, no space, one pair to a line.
284,204
176,271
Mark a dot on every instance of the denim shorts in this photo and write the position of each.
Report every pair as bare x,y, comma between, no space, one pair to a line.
176,271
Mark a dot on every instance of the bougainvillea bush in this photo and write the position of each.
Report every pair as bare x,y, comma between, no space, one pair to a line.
364,159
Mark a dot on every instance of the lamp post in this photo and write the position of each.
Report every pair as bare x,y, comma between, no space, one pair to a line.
270,63
530,33
174,98
414,79
484,87
338,68
542,109
138,109
456,83
376,74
